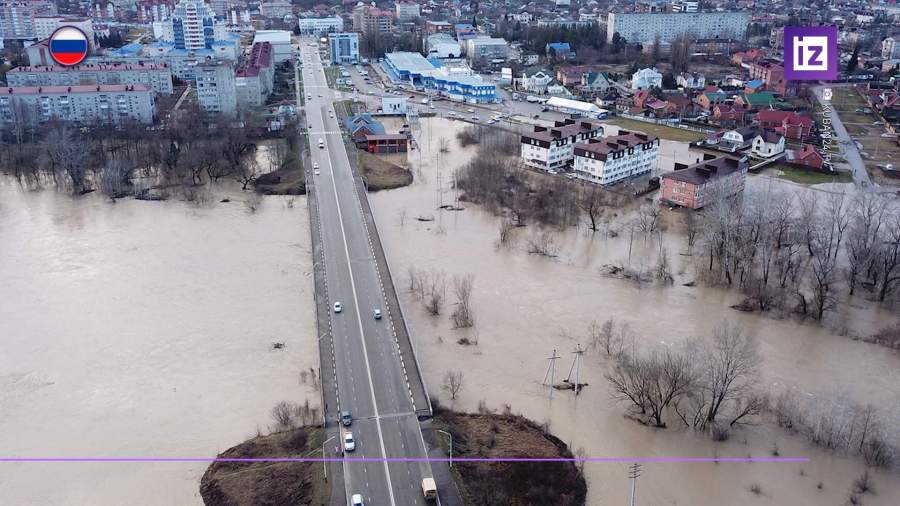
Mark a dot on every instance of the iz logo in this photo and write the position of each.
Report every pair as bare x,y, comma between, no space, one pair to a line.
810,53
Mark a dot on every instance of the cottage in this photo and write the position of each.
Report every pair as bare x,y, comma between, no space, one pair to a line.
787,123
694,186
767,144
691,80
645,79
727,115
756,101
387,143
737,139
807,157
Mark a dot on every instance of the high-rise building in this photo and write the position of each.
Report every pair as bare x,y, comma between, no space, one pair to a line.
16,20
407,11
255,76
646,28
344,48
368,19
44,26
83,105
156,76
216,87
193,25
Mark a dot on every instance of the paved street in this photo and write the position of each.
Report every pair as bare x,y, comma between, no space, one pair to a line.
845,143
377,380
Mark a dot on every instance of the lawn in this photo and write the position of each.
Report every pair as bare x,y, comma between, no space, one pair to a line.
807,177
661,131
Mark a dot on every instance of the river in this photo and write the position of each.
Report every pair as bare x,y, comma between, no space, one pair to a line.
144,329
526,306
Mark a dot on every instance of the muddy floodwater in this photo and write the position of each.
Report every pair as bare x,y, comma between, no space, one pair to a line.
144,329
526,306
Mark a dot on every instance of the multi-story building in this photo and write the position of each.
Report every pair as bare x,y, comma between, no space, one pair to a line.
254,78
693,186
685,6
772,74
368,19
282,49
442,45
454,83
344,48
645,79
407,11
83,105
193,25
275,9
609,160
44,26
149,11
216,88
320,26
645,28
156,76
552,149
890,48
17,20
483,51
438,27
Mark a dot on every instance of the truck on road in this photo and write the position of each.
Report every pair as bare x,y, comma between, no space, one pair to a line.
429,489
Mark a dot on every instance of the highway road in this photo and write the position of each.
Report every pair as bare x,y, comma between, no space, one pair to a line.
371,376
844,140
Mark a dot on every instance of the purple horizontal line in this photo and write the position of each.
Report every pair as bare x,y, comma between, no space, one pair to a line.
659,460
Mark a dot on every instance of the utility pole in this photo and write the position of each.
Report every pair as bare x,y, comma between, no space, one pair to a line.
451,444
576,365
551,371
633,472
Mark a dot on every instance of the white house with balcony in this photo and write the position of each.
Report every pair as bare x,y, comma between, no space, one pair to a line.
552,149
644,79
767,144
609,160
691,80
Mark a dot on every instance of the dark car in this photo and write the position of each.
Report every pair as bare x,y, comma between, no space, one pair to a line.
346,418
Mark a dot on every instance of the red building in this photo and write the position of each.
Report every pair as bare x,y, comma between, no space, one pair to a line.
691,186
386,143
806,157
728,115
787,123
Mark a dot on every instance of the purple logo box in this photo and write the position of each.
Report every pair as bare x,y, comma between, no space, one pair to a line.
810,53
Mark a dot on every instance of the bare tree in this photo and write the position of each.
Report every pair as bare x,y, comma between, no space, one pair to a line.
864,231
462,288
542,243
453,383
652,382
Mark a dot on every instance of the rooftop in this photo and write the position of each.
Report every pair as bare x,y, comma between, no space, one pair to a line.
56,90
616,143
111,67
707,170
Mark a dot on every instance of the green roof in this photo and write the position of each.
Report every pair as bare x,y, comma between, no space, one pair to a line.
761,98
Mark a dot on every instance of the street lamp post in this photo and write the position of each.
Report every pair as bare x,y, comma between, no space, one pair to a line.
324,462
451,444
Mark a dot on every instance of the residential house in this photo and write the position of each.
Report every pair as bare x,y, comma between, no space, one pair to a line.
746,57
728,115
609,160
641,98
694,186
361,126
807,157
755,101
553,148
386,143
788,123
709,99
754,86
682,105
767,144
535,80
737,139
559,50
771,73
646,78
691,80
595,83
570,76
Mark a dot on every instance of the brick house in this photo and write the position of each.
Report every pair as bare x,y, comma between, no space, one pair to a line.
728,115
690,186
709,99
787,123
386,143
806,157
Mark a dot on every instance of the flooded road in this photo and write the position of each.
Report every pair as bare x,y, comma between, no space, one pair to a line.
526,306
144,329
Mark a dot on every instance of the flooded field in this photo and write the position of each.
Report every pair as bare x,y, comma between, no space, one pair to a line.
144,329
526,306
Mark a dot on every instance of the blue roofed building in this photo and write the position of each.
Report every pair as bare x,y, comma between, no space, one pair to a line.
434,77
559,50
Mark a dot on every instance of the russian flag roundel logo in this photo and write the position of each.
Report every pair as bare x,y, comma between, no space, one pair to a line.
68,46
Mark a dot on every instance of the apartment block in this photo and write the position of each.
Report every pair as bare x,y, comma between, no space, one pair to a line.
320,26
368,19
83,105
216,91
609,160
482,51
407,11
645,28
552,149
156,76
254,78
695,185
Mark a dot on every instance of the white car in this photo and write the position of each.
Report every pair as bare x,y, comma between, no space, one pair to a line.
330,114
470,111
356,500
316,172
338,307
349,442
315,165
376,313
